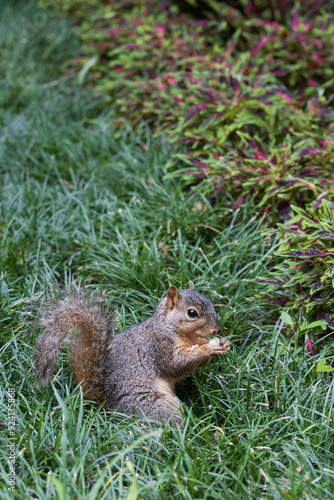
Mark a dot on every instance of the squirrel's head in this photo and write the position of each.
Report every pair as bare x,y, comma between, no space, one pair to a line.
188,312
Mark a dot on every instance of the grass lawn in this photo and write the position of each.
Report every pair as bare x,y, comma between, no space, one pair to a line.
79,204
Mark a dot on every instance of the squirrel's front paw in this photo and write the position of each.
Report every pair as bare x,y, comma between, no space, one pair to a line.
225,345
218,346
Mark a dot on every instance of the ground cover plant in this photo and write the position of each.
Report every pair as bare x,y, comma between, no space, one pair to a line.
273,10
303,278
253,110
82,203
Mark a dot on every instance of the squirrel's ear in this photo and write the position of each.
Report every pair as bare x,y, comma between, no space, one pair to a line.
191,285
172,297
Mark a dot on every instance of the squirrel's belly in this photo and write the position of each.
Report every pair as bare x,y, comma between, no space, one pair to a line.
165,386
166,390
154,399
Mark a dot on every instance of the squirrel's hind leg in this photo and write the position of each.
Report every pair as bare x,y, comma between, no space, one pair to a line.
166,405
165,411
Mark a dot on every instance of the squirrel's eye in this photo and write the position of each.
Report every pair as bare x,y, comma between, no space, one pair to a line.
192,313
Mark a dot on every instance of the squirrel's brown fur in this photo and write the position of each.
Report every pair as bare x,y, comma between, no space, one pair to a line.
136,369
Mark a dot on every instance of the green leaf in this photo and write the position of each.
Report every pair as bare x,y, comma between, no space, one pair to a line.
133,491
321,322
286,318
60,487
321,367
86,67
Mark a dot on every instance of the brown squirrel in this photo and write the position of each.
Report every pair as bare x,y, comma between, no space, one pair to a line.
137,368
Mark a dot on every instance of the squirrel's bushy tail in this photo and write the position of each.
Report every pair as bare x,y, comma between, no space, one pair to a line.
90,324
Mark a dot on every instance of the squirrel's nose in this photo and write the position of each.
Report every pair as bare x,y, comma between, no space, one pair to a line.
217,330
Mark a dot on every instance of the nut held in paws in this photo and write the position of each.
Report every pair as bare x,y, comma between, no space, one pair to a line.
214,341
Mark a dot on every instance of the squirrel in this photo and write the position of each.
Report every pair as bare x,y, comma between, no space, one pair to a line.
135,370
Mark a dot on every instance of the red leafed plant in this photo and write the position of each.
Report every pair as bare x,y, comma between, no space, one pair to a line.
247,115
302,280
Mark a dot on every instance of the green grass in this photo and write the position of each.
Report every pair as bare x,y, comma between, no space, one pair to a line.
78,205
